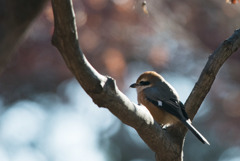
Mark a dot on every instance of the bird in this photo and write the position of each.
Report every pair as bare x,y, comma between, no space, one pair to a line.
162,101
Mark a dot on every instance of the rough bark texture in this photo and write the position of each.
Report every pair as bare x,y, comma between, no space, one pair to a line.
15,18
167,144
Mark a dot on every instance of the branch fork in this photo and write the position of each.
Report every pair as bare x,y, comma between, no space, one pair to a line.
166,143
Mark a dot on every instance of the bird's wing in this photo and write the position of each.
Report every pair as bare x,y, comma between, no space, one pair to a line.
173,106
155,94
162,101
183,109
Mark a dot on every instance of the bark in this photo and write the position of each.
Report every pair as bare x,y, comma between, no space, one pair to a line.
168,143
15,17
209,72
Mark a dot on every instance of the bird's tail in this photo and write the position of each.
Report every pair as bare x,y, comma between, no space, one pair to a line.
195,132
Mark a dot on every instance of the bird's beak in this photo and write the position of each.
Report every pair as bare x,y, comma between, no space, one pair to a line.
134,85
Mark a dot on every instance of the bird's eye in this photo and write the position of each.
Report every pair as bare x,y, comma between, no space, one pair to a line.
144,83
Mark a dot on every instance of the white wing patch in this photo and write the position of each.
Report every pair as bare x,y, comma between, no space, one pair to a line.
159,103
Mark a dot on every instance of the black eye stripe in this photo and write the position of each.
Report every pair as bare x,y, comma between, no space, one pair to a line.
144,83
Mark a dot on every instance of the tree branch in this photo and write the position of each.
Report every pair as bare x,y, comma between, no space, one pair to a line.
167,144
207,77
98,87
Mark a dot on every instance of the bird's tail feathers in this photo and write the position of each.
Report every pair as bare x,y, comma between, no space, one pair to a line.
195,132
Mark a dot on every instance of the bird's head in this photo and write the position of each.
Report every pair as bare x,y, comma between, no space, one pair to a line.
147,79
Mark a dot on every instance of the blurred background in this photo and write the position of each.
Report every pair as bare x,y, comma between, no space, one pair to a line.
46,116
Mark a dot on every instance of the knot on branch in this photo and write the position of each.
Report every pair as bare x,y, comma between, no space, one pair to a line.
110,86
108,92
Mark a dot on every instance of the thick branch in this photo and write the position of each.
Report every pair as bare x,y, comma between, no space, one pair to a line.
167,144
103,90
207,77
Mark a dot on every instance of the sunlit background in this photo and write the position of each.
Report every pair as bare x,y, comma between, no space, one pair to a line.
46,116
